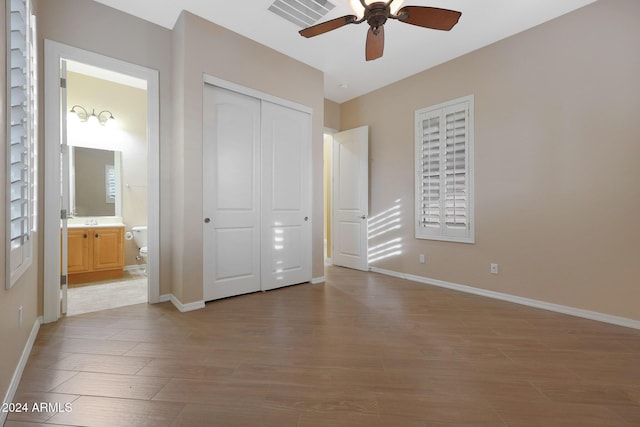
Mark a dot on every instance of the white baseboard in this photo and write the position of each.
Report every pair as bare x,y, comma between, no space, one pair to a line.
183,308
388,272
572,311
316,280
17,374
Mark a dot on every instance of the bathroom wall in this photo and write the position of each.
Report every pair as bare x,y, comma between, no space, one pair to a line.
127,134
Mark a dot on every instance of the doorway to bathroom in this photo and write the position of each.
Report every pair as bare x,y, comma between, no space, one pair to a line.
106,171
103,181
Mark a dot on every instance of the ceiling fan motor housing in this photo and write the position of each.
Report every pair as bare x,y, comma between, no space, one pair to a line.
377,14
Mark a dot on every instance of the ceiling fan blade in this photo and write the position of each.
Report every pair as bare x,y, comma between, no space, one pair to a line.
324,27
375,44
429,17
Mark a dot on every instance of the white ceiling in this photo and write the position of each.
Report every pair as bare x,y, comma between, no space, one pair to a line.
340,53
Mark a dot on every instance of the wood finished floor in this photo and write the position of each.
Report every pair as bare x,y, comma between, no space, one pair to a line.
361,350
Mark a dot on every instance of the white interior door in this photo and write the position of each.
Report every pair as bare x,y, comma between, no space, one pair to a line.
231,199
350,198
286,199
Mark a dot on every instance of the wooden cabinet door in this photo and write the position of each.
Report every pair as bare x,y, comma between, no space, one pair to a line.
108,248
78,250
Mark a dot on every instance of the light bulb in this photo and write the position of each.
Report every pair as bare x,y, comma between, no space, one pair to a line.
72,117
396,5
359,10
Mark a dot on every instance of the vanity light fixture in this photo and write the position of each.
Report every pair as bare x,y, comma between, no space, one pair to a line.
102,117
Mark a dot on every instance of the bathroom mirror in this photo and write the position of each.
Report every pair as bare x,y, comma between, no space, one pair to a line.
95,182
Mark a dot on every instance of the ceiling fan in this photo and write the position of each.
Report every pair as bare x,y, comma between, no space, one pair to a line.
377,13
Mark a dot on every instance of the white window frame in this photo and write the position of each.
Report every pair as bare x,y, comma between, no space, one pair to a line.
21,152
449,220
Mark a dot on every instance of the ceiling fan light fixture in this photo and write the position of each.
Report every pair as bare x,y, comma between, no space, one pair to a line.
376,13
356,6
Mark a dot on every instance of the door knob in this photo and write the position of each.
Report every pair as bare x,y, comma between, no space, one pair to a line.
363,217
306,218
207,220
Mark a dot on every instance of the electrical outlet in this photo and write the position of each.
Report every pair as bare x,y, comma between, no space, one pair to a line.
20,317
494,268
421,258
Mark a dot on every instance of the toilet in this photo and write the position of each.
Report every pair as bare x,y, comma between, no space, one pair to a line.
140,237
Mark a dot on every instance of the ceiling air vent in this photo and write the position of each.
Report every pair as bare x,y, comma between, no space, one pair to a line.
303,13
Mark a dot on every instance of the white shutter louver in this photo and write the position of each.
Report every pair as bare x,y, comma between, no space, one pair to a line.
455,170
430,192
444,201
20,151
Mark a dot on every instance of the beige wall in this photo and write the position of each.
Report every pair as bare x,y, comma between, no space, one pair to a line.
201,47
13,338
92,26
556,150
126,134
331,115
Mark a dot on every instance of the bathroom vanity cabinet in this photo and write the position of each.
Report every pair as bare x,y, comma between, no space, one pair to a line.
95,253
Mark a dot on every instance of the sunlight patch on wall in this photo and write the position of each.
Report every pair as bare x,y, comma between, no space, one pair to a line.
381,225
385,250
384,222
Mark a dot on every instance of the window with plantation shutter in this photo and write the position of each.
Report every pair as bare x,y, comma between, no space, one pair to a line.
21,134
444,171
110,182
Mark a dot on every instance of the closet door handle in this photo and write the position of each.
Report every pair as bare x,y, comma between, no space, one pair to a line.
306,218
85,235
96,235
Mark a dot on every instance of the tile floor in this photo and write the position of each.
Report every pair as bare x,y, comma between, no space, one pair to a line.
86,298
361,350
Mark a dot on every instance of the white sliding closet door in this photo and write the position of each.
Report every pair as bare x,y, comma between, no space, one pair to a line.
256,194
286,198
231,199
